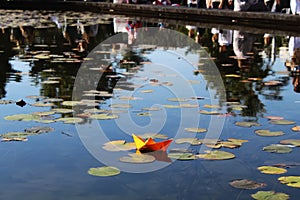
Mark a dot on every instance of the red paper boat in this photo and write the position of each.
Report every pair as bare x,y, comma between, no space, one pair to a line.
150,144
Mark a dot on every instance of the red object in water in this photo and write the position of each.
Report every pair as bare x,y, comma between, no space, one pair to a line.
150,144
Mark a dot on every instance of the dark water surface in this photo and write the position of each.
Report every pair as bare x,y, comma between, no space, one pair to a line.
41,54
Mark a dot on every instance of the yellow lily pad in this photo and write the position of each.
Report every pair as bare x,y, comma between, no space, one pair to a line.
270,195
205,112
296,128
268,133
62,110
282,122
121,105
70,120
42,104
186,105
292,181
104,171
22,117
171,106
177,99
103,116
146,91
154,135
45,113
271,170
217,155
71,103
211,106
119,145
192,141
152,109
137,158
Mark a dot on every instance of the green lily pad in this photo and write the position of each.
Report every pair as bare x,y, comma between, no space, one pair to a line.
35,97
70,120
237,141
291,141
22,117
137,158
187,105
53,100
296,128
94,110
21,139
205,112
282,122
45,113
182,156
62,110
192,141
270,195
277,149
177,99
11,135
146,91
196,130
246,184
104,171
152,109
232,143
268,133
128,98
247,124
42,104
217,155
71,103
292,181
119,145
103,116
271,170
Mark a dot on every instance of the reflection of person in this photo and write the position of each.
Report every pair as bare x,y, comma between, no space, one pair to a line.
294,51
132,28
296,83
295,6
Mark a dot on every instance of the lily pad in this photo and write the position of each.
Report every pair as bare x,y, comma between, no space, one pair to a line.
296,128
62,110
291,141
50,82
104,171
146,91
182,156
137,158
45,113
270,195
42,104
119,145
71,103
39,129
171,106
211,106
271,170
247,124
6,101
277,149
217,155
70,120
52,100
274,117
103,116
12,135
14,139
152,109
122,105
186,105
246,184
282,122
144,114
22,117
205,112
292,181
177,99
192,141
196,130
268,133
154,135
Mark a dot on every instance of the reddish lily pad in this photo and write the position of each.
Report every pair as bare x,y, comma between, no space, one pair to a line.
291,141
246,184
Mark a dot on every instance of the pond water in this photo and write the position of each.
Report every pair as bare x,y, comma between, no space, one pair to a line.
117,76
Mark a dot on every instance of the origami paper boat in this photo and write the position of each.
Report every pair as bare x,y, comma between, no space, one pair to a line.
149,144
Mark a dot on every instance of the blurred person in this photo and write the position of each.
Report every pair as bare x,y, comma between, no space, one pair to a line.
295,7
250,5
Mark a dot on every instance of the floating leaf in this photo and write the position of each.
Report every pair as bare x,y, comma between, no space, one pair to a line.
274,117
205,112
14,139
292,181
291,141
50,82
103,116
237,141
104,171
154,135
182,156
188,105
146,91
45,113
277,149
70,120
192,141
42,104
269,133
137,158
177,99
296,128
232,76
6,101
62,110
144,114
35,97
270,195
152,109
282,122
13,135
247,124
94,110
128,98
39,129
22,117
123,105
217,155
246,184
211,106
196,130
171,106
271,170
71,103
52,100
119,145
